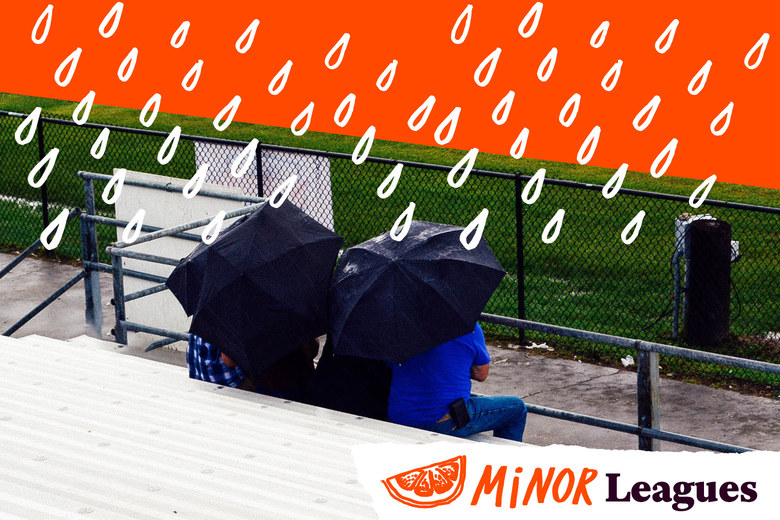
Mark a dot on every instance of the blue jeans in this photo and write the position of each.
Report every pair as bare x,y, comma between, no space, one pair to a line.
503,414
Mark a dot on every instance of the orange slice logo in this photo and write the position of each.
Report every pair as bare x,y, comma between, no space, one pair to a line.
429,486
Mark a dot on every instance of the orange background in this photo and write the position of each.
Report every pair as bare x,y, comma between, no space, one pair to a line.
417,34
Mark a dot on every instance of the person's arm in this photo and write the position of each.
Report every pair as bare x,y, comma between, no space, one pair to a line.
480,365
479,372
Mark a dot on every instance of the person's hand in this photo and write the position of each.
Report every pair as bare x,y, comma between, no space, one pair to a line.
229,362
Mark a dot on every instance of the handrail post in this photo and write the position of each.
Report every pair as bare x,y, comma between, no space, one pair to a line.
89,253
120,333
648,396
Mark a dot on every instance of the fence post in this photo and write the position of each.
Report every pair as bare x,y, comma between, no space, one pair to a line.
44,192
648,396
89,253
120,334
259,162
520,253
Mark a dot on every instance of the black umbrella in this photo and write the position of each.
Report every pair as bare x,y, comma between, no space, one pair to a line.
259,291
393,300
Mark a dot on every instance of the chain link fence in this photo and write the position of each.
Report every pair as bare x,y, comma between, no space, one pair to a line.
587,279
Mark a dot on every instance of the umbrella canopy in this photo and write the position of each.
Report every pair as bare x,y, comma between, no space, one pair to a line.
393,300
259,291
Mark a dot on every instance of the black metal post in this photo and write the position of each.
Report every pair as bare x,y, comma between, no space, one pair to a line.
259,161
120,333
89,255
44,193
520,253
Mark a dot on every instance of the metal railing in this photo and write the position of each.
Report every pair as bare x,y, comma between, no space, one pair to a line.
75,212
647,429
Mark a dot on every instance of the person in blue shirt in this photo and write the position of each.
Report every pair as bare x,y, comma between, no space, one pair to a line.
424,388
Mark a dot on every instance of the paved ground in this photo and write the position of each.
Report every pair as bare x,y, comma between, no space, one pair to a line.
714,414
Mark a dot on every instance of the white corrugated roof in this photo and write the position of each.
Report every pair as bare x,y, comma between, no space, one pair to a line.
89,433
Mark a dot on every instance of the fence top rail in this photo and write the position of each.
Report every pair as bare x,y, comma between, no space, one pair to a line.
637,344
411,164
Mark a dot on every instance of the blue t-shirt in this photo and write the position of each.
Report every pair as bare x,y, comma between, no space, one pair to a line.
423,387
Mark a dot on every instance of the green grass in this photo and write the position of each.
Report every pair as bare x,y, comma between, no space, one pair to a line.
587,279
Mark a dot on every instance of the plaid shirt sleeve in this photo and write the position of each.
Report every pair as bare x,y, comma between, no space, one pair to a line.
205,363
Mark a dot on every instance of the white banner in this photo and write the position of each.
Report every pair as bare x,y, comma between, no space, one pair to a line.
450,480
312,192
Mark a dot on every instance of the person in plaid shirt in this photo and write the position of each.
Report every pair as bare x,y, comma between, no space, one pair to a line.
287,378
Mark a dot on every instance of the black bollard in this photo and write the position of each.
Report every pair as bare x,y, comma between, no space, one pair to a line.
709,282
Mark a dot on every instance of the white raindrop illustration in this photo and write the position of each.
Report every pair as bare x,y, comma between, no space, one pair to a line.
701,193
664,41
112,18
475,228
340,48
667,154
347,104
759,48
47,165
462,25
402,223
134,227
553,228
385,79
168,148
280,80
190,80
700,79
44,18
631,231
195,183
547,65
599,35
536,183
723,119
450,123
467,163
531,21
490,63
81,113
212,230
154,105
244,42
518,147
280,194
364,146
180,36
68,64
391,181
588,147
226,115
114,185
304,116
100,144
244,159
613,185
504,107
52,235
31,123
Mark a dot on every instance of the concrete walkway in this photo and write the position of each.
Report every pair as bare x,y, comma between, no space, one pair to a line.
713,414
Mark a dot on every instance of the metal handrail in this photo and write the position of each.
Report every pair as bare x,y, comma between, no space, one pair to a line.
186,227
35,245
167,186
56,294
639,345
